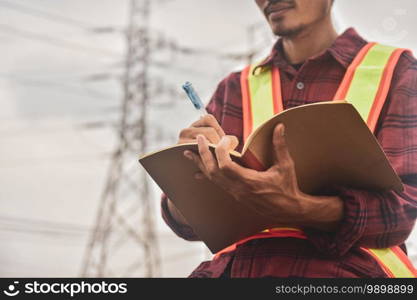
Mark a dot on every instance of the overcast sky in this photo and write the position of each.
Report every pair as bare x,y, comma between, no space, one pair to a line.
53,170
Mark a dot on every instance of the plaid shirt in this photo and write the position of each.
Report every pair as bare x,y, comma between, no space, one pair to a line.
371,219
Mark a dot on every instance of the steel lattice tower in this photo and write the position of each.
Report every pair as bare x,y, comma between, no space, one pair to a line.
124,241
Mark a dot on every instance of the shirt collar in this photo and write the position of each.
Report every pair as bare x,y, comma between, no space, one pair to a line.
344,49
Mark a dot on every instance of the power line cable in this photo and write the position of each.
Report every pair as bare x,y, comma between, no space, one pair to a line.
28,225
62,19
47,161
69,88
58,42
46,15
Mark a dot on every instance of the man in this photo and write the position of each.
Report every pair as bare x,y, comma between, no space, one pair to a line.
312,61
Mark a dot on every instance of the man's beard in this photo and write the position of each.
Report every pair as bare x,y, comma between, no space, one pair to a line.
281,31
289,32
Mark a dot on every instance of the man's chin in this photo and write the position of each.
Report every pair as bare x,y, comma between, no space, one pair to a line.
286,32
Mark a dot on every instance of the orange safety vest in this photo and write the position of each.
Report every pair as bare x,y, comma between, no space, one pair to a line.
365,85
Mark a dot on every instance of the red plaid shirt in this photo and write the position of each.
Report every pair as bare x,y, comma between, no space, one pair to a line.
371,219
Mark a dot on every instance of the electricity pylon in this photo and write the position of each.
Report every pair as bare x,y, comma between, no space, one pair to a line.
124,241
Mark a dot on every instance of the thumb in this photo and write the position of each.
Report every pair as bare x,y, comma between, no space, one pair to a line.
230,142
281,152
226,144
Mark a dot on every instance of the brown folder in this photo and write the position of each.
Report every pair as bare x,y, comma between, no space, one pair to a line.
329,143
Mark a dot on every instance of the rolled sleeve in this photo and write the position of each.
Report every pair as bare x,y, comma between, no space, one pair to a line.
383,219
181,230
371,219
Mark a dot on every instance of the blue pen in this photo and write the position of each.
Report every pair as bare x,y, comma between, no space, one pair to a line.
195,99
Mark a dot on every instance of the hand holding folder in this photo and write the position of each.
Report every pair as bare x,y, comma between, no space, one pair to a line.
328,141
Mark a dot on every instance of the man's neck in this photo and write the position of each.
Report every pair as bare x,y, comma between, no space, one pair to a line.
310,42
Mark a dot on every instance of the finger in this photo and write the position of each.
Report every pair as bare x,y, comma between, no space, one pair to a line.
209,121
234,142
211,135
195,159
229,168
223,148
281,152
186,141
206,156
228,143
200,176
191,133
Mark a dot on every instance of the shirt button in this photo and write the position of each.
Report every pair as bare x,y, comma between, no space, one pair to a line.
300,85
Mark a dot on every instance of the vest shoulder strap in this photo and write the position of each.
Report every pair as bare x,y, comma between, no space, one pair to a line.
367,80
261,97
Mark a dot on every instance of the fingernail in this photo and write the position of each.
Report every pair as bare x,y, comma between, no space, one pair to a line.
187,154
199,176
282,130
